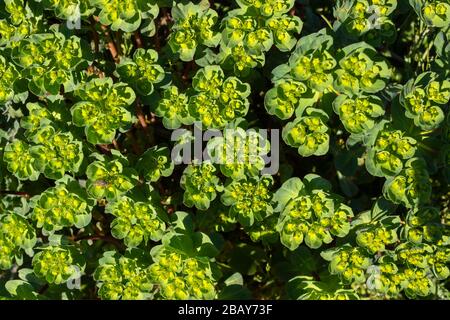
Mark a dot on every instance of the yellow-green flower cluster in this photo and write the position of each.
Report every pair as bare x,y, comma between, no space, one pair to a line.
126,15
181,277
19,24
422,104
16,234
284,99
250,199
358,115
109,179
142,71
411,186
435,13
267,8
389,152
350,263
58,207
314,217
135,221
200,185
69,9
194,26
56,152
369,18
173,108
8,75
361,70
239,152
20,160
218,100
50,59
308,133
424,225
56,264
122,277
103,109
376,238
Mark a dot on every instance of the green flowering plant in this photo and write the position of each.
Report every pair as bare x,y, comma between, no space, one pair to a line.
173,108
124,277
308,133
249,199
109,179
64,205
136,221
361,70
200,185
388,151
142,71
16,236
411,186
58,264
349,263
423,225
155,163
69,9
49,60
217,99
369,19
239,152
309,212
141,159
422,98
193,27
9,75
104,108
127,15
359,114
309,69
435,13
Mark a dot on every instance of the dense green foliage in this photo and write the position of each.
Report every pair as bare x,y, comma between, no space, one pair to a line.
94,203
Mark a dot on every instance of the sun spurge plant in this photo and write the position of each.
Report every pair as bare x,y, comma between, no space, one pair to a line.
309,212
239,149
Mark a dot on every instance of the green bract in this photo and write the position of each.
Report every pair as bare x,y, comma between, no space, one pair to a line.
435,13
8,76
127,15
350,263
411,186
109,179
239,152
155,163
16,235
173,108
361,70
250,199
69,9
65,205
308,133
20,160
142,71
358,115
181,277
123,277
48,61
136,222
310,212
367,18
388,152
194,26
200,185
423,99
58,264
217,100
104,108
